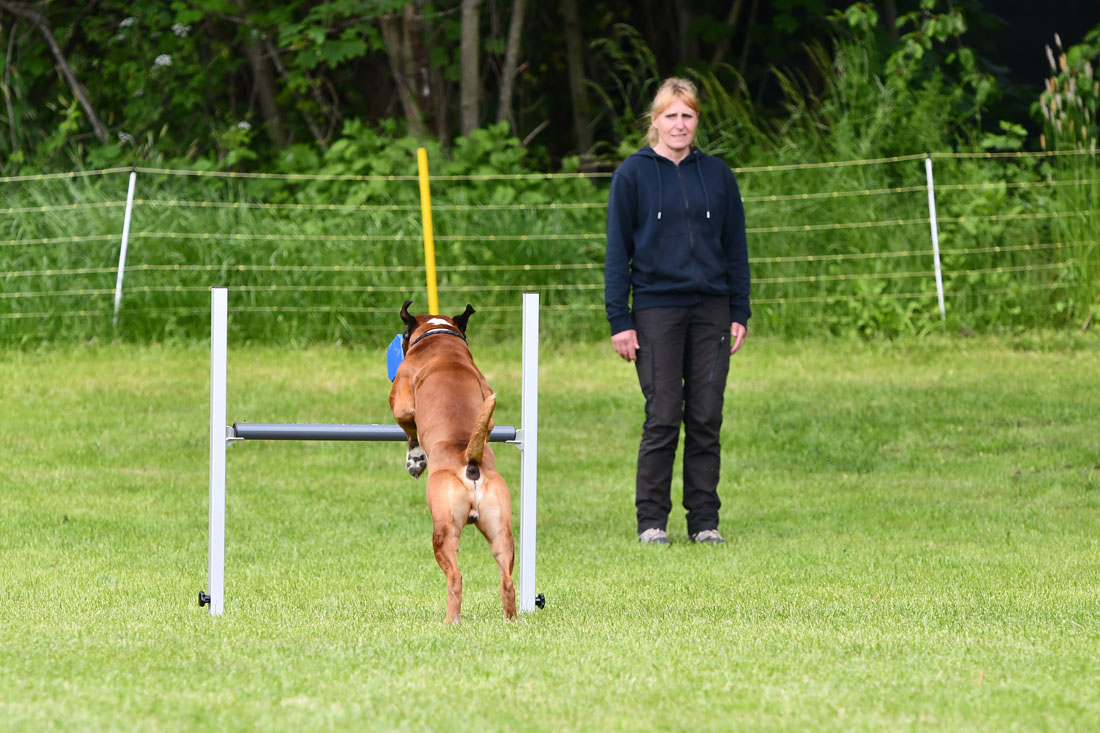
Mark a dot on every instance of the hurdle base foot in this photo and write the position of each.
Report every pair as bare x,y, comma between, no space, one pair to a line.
204,599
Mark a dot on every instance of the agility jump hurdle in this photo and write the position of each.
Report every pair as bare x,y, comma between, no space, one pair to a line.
222,436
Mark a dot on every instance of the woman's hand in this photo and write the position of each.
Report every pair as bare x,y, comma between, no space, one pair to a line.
738,332
625,344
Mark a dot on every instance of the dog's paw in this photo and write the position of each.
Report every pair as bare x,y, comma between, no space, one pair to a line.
416,460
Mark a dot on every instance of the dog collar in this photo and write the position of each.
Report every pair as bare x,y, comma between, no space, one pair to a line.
434,331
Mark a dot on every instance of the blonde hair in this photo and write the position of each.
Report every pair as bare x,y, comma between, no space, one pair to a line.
673,89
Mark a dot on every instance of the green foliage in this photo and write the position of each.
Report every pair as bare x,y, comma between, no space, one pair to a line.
329,33
932,48
173,82
928,61
626,82
169,78
1011,138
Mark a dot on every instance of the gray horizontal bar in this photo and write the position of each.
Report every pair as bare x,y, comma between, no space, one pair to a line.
312,431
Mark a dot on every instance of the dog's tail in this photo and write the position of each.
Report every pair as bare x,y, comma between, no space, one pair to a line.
475,449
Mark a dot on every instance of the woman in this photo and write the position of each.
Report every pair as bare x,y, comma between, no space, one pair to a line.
676,241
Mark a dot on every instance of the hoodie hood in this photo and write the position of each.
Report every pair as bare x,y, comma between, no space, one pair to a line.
692,158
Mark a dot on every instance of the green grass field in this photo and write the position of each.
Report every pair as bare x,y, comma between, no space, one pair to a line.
913,545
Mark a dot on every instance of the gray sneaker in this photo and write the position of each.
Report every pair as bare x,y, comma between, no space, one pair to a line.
708,537
654,536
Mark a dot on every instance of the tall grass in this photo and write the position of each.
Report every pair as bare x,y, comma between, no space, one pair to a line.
842,248
315,264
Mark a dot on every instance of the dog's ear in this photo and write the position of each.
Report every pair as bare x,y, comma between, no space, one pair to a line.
461,319
410,322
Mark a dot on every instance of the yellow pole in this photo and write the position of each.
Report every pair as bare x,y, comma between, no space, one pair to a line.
426,215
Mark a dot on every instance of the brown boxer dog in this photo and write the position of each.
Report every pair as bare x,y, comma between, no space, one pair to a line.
445,406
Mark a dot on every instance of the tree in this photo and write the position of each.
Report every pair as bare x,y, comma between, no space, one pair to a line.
511,59
5,85
263,77
39,21
470,93
574,56
397,38
189,79
723,46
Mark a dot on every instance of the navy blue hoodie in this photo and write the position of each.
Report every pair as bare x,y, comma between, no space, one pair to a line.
675,236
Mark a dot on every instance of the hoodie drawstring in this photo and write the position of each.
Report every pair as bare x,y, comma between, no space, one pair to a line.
660,197
706,194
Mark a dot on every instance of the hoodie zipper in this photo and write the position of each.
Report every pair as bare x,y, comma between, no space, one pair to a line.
687,219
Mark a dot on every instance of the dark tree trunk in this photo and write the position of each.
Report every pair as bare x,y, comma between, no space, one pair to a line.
748,39
731,20
263,80
7,88
419,70
689,40
511,60
574,58
401,65
469,93
890,11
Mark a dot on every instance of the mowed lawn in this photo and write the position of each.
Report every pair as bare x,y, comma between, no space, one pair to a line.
914,532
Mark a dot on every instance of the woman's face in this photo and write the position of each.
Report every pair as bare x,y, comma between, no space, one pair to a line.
676,127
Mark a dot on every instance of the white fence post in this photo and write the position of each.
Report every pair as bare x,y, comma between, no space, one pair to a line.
125,243
529,421
218,338
935,234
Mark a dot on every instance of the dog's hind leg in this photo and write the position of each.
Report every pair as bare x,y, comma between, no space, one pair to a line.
445,544
446,528
495,522
503,549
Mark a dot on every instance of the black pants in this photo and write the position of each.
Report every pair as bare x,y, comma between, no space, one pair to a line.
683,361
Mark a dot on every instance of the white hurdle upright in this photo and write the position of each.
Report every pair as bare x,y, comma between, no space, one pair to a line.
219,307
222,435
529,444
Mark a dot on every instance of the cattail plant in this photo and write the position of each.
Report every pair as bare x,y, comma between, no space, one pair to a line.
1068,106
1070,100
